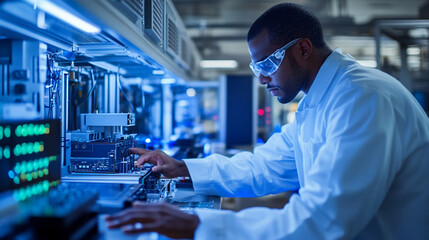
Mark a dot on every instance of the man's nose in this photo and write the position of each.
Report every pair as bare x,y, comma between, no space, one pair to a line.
264,79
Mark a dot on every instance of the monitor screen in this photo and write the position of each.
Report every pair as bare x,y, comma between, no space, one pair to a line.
30,161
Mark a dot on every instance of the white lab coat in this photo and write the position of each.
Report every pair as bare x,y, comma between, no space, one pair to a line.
358,152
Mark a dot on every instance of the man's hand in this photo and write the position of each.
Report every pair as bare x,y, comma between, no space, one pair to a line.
164,164
162,218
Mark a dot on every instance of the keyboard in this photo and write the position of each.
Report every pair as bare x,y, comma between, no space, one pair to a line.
62,213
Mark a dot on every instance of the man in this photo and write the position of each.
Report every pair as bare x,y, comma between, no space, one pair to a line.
357,151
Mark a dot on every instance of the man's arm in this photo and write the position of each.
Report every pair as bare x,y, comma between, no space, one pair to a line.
270,169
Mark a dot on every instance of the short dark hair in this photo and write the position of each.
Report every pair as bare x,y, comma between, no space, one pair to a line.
287,21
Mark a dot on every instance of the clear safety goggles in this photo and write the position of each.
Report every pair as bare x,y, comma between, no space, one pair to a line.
270,64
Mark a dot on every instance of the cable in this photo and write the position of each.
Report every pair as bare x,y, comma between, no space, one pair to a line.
52,83
90,91
95,101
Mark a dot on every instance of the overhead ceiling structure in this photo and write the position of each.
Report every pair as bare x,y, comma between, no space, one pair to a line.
219,27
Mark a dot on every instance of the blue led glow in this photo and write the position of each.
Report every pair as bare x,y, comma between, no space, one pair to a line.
11,174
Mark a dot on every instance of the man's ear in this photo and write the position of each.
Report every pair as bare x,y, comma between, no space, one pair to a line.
305,48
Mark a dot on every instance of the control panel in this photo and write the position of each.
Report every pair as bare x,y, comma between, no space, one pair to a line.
102,156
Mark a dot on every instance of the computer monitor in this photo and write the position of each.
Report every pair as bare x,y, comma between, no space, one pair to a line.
30,161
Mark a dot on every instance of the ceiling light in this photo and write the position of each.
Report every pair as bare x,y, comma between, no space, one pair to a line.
419,33
413,51
158,72
64,15
168,81
218,64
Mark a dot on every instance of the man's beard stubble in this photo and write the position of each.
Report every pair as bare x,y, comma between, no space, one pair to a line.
299,78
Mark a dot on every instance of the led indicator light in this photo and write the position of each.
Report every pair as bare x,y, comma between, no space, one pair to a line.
7,132
42,148
36,147
6,152
16,195
16,180
24,130
30,148
18,131
24,167
39,187
33,190
45,185
41,163
17,150
47,128
41,129
29,167
35,164
18,168
24,148
30,129
22,195
11,174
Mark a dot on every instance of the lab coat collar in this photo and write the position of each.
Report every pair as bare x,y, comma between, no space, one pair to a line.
322,81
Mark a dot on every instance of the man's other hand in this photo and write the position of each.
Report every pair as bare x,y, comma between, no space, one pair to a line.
161,217
164,164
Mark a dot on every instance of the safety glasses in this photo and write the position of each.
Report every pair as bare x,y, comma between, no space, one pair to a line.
270,64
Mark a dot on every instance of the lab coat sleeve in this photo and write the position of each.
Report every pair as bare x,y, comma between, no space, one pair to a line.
344,187
270,169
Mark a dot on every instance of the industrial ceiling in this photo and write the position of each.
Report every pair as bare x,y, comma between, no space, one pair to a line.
219,27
